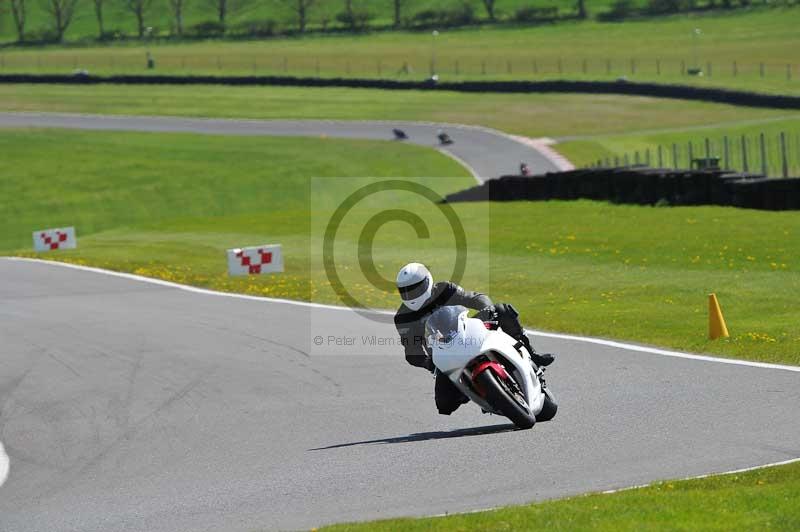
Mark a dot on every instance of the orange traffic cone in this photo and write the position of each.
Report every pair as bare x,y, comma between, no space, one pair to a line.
716,323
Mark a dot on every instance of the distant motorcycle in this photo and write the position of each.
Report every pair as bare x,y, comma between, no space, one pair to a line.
524,170
490,367
399,134
444,138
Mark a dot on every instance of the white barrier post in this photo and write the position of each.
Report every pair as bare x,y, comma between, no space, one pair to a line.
255,260
51,239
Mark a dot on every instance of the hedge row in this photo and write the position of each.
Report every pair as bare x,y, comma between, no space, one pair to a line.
643,186
684,92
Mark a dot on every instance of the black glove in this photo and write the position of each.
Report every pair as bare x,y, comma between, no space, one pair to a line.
487,314
429,364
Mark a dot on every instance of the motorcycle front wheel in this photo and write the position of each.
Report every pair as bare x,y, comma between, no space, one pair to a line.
503,399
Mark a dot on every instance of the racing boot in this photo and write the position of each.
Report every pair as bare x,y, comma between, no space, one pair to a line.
540,359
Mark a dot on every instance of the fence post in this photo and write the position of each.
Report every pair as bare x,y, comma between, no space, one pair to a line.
508,66
708,148
616,161
647,156
535,66
745,166
726,153
761,69
286,64
691,154
683,67
763,143
458,69
636,157
658,67
633,66
583,66
560,70
347,67
608,66
483,67
735,69
784,161
627,161
660,156
675,155
708,68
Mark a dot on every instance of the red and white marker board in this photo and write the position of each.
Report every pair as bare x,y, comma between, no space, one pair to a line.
51,239
255,260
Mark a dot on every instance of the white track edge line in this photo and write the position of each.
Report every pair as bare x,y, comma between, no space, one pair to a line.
706,475
587,339
663,352
618,490
462,162
5,464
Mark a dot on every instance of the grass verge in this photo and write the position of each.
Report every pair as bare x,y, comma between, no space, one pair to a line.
764,499
168,205
535,115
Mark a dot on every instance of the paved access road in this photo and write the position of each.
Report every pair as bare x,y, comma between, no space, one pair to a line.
487,153
131,406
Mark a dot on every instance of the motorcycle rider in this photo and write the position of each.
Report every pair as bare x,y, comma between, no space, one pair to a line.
421,296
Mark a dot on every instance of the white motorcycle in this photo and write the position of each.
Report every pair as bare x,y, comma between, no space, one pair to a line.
490,367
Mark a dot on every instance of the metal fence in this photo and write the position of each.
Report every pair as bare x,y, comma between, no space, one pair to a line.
397,66
772,155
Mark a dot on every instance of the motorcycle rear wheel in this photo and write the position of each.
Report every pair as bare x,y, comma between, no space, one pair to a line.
499,397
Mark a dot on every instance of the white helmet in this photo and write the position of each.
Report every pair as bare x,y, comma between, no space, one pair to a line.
415,284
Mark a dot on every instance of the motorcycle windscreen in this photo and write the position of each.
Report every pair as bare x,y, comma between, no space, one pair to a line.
453,338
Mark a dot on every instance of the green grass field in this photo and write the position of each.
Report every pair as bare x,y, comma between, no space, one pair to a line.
766,499
169,205
645,50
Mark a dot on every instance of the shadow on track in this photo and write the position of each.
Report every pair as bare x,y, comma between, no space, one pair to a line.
424,436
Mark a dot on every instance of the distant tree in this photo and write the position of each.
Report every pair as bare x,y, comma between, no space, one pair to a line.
354,18
61,12
398,7
489,5
176,7
301,7
582,9
139,8
19,12
221,9
98,13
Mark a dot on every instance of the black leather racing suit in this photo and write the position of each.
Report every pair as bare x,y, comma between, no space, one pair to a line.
411,326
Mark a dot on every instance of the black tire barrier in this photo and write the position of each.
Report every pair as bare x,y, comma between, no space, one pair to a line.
707,94
643,186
